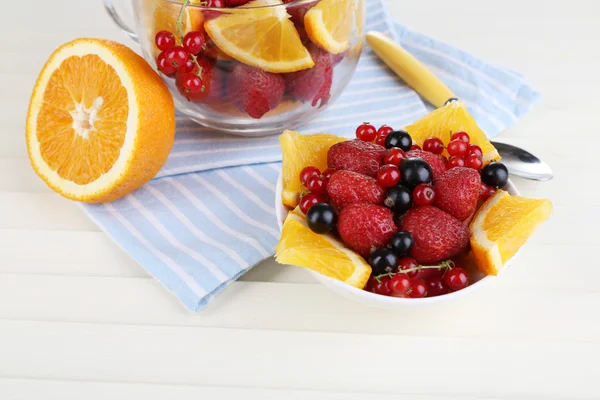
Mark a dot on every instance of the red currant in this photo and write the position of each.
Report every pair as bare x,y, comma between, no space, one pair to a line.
193,42
308,172
164,40
366,132
418,289
177,56
381,287
408,263
456,279
473,161
192,83
475,150
399,285
310,200
394,156
388,176
327,174
424,194
317,184
208,14
455,162
458,148
188,66
464,136
415,147
436,287
163,65
382,134
433,145
486,191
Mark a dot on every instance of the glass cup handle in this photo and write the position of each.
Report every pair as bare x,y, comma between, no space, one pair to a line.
112,11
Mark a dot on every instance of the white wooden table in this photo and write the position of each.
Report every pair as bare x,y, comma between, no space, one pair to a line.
79,319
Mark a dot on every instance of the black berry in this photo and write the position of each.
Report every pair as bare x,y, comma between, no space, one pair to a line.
383,261
399,139
399,199
402,243
321,218
450,100
495,174
414,171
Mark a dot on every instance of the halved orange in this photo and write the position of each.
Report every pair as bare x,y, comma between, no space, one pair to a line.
301,247
299,151
261,34
101,122
329,24
502,225
445,121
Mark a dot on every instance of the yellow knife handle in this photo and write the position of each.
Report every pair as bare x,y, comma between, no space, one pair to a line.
412,71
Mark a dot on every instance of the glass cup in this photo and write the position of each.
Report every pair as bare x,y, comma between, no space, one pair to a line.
253,70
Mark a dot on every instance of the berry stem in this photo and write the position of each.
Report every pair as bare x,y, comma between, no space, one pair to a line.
180,19
447,265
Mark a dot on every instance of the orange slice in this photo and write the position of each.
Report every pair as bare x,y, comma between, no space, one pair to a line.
329,24
502,225
299,151
445,121
101,122
301,247
262,35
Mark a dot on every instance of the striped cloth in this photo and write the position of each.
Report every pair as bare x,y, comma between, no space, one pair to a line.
209,216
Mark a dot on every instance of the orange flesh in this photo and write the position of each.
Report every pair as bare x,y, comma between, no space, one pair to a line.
83,156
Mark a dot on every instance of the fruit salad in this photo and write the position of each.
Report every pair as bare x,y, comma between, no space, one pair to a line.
414,212
254,58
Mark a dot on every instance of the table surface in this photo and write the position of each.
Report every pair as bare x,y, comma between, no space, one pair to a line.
78,316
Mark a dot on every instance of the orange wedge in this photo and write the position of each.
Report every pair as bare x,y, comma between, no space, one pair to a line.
301,247
329,24
101,122
299,151
501,226
445,121
261,36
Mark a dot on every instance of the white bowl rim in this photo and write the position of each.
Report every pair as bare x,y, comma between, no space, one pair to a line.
373,299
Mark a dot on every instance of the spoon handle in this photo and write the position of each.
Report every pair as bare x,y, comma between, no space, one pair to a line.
412,71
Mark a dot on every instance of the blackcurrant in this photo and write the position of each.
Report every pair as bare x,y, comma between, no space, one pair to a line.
415,171
402,243
383,261
321,218
399,199
400,139
495,174
450,100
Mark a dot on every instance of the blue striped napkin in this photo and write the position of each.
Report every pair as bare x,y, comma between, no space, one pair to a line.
209,216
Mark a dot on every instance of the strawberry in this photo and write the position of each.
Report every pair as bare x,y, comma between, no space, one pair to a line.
366,227
297,12
254,90
457,191
347,187
438,236
313,84
436,162
357,156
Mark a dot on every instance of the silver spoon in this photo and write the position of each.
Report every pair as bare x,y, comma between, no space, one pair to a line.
416,75
522,163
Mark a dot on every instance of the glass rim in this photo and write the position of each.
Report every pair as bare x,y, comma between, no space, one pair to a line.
227,10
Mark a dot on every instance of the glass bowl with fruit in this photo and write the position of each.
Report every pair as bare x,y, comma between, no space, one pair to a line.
251,67
402,217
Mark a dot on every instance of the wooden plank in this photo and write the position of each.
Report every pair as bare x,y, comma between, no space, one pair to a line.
500,311
40,389
270,359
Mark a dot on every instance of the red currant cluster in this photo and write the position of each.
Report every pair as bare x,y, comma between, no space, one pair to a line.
316,184
181,60
462,152
415,281
368,133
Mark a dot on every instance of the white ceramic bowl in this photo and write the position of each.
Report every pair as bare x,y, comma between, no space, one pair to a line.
379,301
